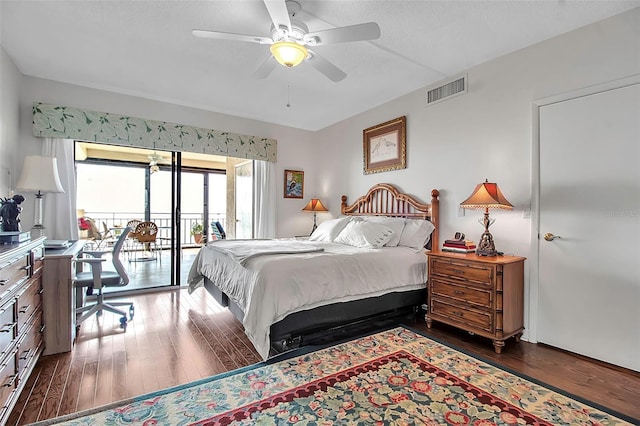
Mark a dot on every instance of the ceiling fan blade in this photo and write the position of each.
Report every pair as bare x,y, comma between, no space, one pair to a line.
279,14
265,69
231,36
359,32
332,72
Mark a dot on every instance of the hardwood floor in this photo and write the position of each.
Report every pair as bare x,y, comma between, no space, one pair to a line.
177,338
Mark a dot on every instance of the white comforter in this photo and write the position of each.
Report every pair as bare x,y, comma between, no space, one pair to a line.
270,287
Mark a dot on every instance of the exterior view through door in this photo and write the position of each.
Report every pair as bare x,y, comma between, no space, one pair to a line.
120,185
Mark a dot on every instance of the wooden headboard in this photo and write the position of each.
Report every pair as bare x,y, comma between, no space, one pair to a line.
384,199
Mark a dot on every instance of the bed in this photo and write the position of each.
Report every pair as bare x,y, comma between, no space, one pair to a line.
365,269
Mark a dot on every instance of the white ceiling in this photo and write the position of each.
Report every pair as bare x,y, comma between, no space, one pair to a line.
145,48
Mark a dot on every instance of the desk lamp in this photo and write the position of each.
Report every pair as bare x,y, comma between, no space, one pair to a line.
39,175
315,205
486,196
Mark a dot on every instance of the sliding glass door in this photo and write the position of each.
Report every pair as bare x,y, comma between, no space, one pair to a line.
117,185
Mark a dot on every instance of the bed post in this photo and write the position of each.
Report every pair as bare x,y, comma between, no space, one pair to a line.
435,219
343,205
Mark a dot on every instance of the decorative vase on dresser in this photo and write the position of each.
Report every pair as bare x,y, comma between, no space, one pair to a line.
482,295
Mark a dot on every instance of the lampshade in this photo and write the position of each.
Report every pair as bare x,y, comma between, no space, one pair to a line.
288,53
39,174
315,205
487,195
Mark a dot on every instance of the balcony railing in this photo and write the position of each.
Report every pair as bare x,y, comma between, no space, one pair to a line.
163,220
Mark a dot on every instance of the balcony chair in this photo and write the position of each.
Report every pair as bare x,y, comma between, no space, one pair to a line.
131,239
147,233
97,278
217,231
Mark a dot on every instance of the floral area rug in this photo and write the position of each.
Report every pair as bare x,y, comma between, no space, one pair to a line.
395,377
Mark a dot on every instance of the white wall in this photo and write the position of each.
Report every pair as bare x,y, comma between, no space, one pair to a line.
9,122
293,144
486,133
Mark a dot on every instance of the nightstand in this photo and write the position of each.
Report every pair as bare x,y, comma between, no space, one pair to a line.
482,295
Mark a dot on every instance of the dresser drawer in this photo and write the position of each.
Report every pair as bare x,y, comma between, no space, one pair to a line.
37,260
29,300
12,274
31,343
7,327
447,308
478,273
482,298
8,377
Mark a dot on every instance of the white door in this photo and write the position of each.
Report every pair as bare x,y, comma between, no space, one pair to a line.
589,277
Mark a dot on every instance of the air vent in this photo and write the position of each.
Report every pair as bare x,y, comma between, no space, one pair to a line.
449,89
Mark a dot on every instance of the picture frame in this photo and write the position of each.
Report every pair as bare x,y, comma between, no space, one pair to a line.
293,184
384,146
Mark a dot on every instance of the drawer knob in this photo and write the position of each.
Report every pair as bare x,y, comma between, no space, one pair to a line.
458,271
8,328
24,309
457,313
458,292
11,382
3,282
25,354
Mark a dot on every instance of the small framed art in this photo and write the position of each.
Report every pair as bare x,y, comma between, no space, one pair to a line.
384,146
293,184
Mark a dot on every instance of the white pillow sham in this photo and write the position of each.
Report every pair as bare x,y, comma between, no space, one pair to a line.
364,234
395,223
328,230
416,233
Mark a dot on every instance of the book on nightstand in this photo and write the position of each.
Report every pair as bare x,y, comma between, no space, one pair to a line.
465,246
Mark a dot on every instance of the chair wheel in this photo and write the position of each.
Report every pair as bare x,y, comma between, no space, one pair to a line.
123,322
131,312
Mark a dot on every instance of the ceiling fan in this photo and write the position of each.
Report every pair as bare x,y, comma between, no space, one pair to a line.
291,41
154,160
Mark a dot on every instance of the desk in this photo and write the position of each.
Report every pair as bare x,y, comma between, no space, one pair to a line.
59,298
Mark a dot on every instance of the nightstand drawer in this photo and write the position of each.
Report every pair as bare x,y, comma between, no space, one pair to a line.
480,297
469,318
472,271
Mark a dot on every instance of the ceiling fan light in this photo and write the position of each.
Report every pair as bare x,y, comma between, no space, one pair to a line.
288,53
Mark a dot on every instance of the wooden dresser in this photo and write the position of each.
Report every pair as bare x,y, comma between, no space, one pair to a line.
21,323
483,295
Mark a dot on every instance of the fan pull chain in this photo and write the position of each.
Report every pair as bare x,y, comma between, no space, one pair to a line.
288,100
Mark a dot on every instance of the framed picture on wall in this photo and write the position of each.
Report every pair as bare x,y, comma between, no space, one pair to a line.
293,184
384,146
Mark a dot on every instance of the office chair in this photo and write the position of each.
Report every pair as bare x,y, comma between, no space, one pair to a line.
97,278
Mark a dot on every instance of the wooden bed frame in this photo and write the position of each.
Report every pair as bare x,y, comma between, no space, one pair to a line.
340,320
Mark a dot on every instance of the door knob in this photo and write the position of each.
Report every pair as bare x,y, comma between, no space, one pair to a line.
550,237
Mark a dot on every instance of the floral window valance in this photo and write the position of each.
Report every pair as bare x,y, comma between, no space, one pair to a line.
55,121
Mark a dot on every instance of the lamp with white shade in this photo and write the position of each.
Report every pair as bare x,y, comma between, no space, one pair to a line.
39,175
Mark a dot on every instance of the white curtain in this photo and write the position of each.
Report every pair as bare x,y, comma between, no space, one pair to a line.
60,219
264,190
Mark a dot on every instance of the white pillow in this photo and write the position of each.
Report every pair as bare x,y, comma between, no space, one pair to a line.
329,229
395,223
416,233
364,234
